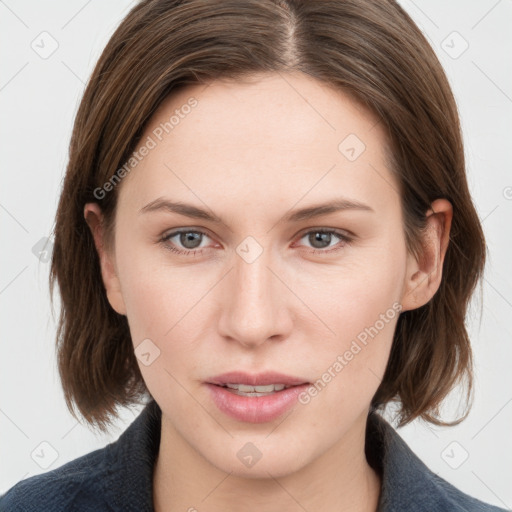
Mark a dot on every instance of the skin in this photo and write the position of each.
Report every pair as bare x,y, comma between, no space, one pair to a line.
250,152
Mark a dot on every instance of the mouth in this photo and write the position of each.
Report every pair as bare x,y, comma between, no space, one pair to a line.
255,385
246,390
255,398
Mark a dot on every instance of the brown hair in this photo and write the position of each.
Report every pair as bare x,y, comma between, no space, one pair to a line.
370,49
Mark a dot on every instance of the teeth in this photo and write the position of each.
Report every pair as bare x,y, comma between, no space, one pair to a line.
257,389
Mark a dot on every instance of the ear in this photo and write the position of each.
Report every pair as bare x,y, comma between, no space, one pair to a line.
94,218
423,276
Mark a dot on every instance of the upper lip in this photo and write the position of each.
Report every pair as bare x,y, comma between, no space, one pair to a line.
258,379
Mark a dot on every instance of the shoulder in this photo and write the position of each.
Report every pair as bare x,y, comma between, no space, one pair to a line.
450,498
117,477
407,483
78,485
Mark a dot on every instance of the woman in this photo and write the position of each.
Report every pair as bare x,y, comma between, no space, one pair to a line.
265,234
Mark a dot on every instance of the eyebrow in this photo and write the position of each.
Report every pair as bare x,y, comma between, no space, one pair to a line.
188,210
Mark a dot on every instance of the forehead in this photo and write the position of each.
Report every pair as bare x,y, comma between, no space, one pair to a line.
287,133
283,110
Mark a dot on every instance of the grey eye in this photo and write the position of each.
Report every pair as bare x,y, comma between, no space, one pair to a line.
319,239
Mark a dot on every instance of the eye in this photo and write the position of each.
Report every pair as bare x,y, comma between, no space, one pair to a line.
187,238
321,238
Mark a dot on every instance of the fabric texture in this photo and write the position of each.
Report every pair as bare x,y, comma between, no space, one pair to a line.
118,477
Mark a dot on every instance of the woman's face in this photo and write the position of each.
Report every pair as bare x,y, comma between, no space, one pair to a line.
261,290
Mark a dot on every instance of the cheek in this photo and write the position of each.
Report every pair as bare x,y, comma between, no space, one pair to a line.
160,310
167,305
352,295
158,301
361,308
156,294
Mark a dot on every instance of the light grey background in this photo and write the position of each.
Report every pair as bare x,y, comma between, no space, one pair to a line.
38,100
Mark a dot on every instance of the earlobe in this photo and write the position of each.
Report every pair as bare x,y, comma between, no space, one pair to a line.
94,218
424,274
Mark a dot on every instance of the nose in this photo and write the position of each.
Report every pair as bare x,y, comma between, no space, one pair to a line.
254,303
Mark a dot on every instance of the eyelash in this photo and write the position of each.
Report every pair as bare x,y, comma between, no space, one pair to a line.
345,240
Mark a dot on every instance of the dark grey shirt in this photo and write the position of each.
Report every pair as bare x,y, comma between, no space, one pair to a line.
118,478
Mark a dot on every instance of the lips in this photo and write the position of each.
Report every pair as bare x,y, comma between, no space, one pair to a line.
239,402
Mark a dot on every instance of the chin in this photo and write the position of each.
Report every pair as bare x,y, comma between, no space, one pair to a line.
258,460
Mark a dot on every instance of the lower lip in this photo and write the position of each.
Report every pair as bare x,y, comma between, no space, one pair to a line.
255,409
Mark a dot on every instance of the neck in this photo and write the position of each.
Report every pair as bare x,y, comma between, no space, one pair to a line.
338,480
